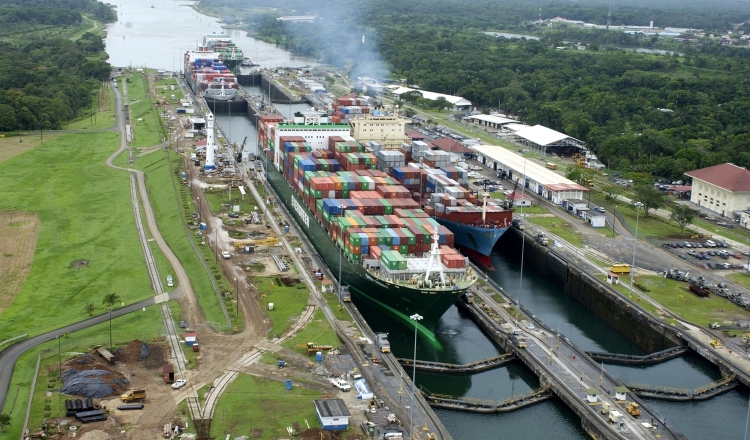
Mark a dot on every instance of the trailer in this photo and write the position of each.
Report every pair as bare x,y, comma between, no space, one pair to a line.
167,372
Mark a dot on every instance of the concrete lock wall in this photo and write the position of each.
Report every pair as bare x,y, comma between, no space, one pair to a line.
597,296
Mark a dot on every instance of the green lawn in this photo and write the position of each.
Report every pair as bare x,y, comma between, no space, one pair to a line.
318,331
85,213
168,215
252,402
559,227
739,233
105,115
531,210
288,302
701,311
166,94
145,122
740,278
137,325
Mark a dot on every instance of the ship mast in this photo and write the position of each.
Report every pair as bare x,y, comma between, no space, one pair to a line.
485,195
435,259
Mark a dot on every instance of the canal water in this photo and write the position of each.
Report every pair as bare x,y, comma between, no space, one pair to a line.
172,27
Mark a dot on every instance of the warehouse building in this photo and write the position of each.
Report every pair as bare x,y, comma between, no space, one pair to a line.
529,173
723,188
333,414
458,102
548,141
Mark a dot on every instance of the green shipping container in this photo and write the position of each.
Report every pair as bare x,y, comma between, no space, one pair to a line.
319,205
326,217
318,194
410,238
355,240
403,249
388,206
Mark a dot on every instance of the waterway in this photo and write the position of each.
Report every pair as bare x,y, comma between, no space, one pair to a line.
172,27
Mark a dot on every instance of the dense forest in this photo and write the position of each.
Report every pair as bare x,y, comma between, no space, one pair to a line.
662,114
57,81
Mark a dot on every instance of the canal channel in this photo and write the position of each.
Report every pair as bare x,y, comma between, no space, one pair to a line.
173,27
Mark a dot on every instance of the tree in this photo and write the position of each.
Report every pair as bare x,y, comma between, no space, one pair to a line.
89,308
574,173
683,215
111,299
441,103
5,420
411,96
651,197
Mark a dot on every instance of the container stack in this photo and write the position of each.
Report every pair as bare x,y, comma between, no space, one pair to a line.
388,159
460,175
418,148
405,149
345,109
451,258
436,158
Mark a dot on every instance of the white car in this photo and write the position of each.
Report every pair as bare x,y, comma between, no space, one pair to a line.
508,192
475,168
225,254
179,383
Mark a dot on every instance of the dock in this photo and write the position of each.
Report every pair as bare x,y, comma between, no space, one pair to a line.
474,367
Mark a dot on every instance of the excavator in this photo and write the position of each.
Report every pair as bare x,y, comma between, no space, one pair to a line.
238,153
312,347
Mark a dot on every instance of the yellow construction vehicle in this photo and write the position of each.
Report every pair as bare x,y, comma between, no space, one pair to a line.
633,409
701,236
579,159
268,241
313,348
716,344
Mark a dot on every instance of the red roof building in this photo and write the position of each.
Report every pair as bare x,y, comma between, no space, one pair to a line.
723,188
452,146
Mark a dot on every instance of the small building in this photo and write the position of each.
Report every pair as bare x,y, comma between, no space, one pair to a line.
592,395
520,199
621,393
191,338
333,414
576,206
452,146
326,286
595,219
613,278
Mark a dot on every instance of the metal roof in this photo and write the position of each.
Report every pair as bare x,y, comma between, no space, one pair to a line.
727,175
494,119
533,170
455,100
542,135
331,408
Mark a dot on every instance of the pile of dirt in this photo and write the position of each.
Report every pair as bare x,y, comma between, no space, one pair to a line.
289,281
319,434
150,356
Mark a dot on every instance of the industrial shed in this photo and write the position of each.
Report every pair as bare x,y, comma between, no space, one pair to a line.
546,140
490,121
333,414
458,102
536,178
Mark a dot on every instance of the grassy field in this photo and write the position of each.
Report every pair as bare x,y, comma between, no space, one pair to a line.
85,214
145,121
166,94
740,278
137,325
288,302
168,212
559,227
217,197
701,311
105,115
318,331
272,408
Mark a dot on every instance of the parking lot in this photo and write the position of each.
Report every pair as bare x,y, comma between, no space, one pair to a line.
707,254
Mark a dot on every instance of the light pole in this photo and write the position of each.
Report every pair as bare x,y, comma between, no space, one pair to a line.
59,361
416,318
635,240
110,327
237,297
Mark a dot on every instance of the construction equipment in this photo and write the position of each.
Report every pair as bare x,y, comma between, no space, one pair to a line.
620,268
716,344
542,239
701,236
579,159
313,348
268,241
633,409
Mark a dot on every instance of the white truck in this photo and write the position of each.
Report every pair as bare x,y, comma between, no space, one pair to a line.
341,384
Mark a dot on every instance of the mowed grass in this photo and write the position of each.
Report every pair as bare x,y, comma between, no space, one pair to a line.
85,213
143,325
166,94
168,213
288,302
253,402
559,227
740,278
700,311
318,331
148,130
104,116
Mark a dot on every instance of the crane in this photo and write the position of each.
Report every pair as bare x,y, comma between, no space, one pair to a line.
238,153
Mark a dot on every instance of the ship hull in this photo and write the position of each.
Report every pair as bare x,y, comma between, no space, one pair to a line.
476,239
397,301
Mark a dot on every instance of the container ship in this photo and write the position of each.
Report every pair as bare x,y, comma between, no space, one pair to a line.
393,254
229,54
209,77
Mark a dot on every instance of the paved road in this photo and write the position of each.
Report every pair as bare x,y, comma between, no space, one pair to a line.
10,355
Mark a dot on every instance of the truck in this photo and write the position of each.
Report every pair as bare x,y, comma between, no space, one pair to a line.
341,384
516,337
381,341
620,268
551,166
134,396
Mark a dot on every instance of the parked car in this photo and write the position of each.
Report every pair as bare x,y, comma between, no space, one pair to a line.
683,256
688,245
693,253
737,256
226,255
674,245
721,223
680,245
234,215
179,383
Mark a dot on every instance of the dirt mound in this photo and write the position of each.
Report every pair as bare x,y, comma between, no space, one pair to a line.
150,356
289,281
318,434
95,382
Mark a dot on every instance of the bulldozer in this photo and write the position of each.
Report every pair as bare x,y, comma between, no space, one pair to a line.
701,236
579,159
633,409
716,344
312,348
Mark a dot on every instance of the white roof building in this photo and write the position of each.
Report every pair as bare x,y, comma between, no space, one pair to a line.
542,138
536,178
457,101
491,121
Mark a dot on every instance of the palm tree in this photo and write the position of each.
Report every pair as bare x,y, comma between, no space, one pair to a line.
5,420
111,299
89,308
